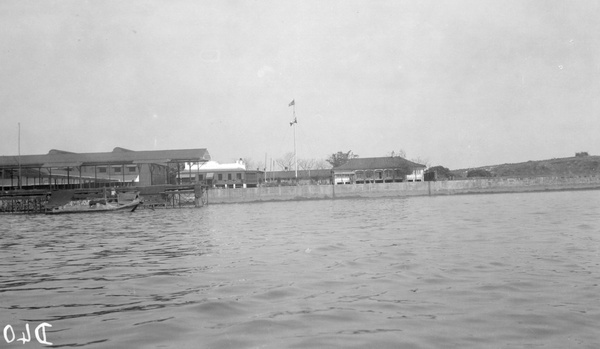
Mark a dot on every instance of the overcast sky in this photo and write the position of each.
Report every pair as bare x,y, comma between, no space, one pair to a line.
458,83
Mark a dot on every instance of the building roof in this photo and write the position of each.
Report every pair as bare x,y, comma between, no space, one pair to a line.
380,163
60,158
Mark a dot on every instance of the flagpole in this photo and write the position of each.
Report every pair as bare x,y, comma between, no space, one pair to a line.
295,157
19,154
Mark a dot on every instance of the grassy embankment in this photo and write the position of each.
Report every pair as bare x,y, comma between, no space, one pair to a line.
562,167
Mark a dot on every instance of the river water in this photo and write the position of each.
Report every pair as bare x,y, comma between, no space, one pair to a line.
468,271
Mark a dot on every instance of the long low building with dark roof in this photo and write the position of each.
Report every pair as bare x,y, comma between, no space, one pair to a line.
378,170
317,176
63,169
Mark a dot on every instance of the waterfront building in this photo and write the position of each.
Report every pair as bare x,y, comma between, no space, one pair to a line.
122,167
305,177
378,170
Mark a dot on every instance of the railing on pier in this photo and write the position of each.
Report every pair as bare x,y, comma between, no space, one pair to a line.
29,201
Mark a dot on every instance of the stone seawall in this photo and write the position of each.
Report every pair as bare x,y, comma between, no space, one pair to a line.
471,186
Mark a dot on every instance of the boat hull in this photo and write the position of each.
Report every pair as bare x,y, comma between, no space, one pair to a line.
128,207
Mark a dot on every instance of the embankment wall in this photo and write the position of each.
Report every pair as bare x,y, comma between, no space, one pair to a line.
470,186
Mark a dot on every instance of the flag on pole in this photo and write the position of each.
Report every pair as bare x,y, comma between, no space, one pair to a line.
292,103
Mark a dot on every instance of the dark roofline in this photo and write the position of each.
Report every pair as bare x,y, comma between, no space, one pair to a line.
386,162
117,156
323,173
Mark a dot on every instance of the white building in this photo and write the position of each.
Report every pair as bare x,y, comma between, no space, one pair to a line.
214,174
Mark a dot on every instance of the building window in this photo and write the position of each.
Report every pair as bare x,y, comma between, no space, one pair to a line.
200,177
116,169
238,176
132,169
220,176
102,169
229,176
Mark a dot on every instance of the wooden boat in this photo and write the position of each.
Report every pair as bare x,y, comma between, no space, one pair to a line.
66,202
108,207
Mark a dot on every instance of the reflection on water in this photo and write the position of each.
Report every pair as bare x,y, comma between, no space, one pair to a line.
505,270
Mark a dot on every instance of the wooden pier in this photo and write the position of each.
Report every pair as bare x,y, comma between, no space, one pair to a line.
174,196
164,196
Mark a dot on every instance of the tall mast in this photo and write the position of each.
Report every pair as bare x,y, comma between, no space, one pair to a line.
295,156
293,123
19,154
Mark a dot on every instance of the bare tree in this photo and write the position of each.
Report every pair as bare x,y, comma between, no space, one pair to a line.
307,164
260,166
286,162
420,160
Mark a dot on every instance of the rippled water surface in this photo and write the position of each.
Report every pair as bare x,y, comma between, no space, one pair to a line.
473,271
